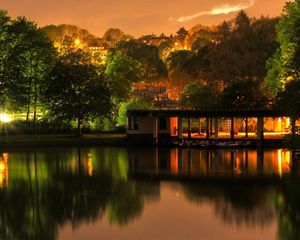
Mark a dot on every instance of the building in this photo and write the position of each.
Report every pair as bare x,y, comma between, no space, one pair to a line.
163,126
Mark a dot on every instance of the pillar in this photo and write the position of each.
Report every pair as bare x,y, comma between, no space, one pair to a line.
180,129
155,130
246,127
216,127
189,128
293,125
232,128
207,128
131,123
260,128
199,126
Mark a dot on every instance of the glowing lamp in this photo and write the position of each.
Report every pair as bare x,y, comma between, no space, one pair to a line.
4,118
77,41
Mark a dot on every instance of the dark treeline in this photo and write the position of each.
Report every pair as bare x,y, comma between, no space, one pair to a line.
62,77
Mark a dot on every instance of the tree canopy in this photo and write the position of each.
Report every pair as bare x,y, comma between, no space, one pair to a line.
285,64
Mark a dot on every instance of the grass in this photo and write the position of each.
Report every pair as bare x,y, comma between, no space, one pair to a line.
62,140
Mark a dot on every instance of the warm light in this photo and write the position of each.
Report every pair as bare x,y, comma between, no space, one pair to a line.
77,41
176,44
4,118
2,166
284,161
90,165
279,156
288,122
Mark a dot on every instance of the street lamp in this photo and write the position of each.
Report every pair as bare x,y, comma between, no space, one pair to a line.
4,118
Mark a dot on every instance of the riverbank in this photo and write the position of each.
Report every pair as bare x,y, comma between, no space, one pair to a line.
63,140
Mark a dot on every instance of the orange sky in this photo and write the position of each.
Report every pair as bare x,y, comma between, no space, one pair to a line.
137,17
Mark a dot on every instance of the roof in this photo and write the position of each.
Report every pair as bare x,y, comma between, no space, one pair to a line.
209,113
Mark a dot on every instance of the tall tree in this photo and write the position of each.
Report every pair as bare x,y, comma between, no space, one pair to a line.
242,49
76,92
200,96
285,64
26,62
121,73
148,55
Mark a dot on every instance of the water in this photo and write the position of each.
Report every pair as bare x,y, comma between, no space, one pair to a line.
148,193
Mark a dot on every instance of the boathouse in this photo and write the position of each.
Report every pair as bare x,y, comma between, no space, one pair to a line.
161,126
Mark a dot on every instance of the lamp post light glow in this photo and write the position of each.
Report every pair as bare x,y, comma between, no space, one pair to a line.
77,41
4,118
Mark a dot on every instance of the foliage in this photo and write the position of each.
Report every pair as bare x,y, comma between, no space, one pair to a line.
133,104
57,34
121,72
76,92
244,95
147,55
241,49
285,64
288,100
114,35
199,96
27,56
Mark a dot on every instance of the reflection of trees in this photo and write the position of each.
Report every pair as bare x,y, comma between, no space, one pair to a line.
236,202
47,193
125,203
288,207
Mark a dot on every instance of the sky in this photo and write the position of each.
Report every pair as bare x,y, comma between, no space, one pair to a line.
138,17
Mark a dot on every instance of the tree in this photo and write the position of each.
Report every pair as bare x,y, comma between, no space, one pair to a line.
121,73
244,95
285,64
57,34
241,49
25,63
114,35
288,101
199,96
76,92
147,55
179,76
132,104
181,35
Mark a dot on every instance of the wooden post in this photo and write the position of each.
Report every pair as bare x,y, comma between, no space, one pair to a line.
293,123
199,126
180,129
260,128
189,128
216,126
207,128
232,128
155,130
246,128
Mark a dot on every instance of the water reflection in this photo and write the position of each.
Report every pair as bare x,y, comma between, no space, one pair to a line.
210,163
43,190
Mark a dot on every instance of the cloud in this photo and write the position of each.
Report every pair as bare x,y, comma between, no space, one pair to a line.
224,9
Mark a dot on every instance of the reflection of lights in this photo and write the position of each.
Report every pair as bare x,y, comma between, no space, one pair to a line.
279,162
284,160
5,118
174,162
4,170
237,168
90,165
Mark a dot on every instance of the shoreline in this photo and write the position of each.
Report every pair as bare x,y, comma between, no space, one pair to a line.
62,140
